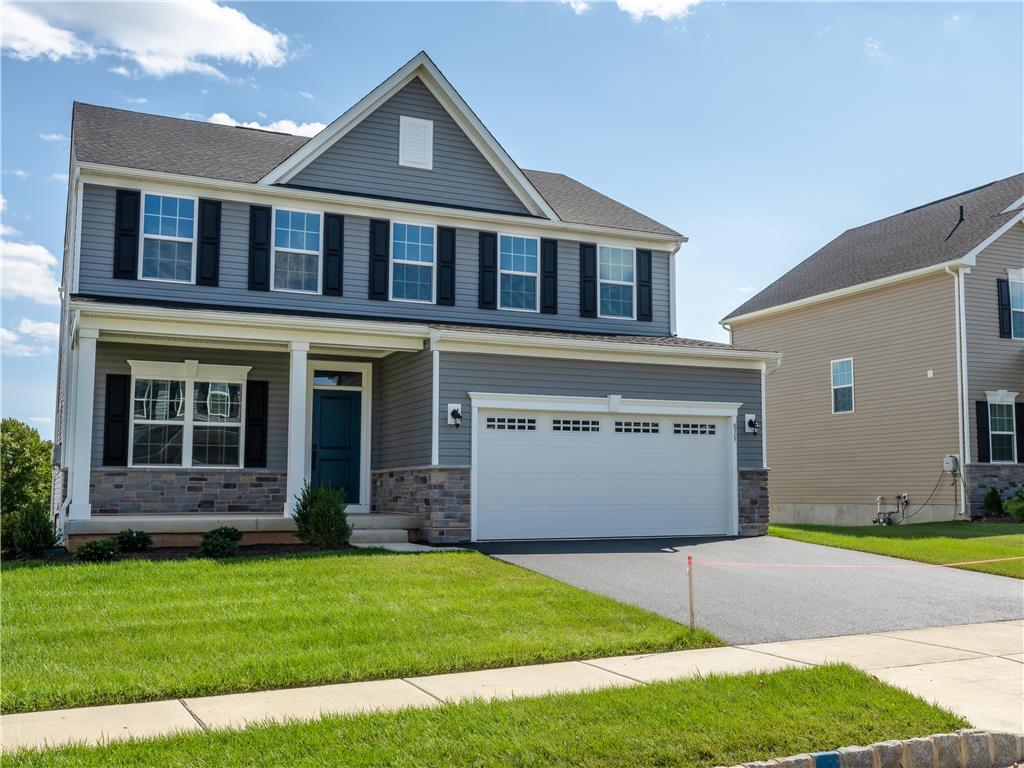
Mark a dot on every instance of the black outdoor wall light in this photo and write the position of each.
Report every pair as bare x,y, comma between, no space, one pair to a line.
455,417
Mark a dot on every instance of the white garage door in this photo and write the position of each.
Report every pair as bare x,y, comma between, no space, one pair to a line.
543,475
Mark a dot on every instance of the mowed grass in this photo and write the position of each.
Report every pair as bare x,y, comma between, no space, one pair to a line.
939,543
692,723
135,630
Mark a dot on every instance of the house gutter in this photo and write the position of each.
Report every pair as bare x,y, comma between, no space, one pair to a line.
963,438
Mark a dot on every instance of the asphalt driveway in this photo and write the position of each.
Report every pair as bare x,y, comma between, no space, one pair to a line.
763,604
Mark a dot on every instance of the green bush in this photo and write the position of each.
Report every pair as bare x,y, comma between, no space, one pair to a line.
320,517
25,475
31,529
993,505
130,540
98,551
1015,507
220,542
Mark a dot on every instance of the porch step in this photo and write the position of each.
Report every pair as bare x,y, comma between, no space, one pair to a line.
379,536
378,520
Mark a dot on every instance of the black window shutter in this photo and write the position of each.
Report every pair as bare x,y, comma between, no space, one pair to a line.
208,247
259,247
644,299
588,280
446,266
115,420
126,234
334,254
549,277
256,401
1005,327
488,270
981,417
1018,420
379,250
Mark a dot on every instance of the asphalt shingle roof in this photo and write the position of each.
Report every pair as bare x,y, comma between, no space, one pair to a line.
126,139
917,238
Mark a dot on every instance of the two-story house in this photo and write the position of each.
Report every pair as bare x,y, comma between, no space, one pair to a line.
393,307
903,343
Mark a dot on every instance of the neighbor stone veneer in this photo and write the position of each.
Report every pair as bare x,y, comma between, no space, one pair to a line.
438,495
186,491
753,492
1008,479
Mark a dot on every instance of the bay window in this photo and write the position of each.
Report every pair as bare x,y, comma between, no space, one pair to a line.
518,272
616,281
168,238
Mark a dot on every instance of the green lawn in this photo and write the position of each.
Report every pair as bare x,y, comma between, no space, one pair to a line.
134,630
940,543
700,722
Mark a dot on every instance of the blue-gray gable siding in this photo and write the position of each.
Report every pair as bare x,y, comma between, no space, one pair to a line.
365,160
462,373
405,406
97,253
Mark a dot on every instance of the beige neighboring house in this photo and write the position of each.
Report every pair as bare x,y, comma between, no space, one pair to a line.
902,343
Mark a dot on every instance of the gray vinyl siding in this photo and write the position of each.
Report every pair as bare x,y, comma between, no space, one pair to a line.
406,397
97,249
266,366
462,373
992,362
365,161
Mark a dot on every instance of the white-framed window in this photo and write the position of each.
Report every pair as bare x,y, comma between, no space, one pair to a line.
616,282
1016,280
518,273
637,427
1002,427
167,248
575,425
295,257
186,414
511,423
842,385
694,429
416,142
413,273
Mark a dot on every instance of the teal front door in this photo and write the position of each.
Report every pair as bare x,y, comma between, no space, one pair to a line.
336,450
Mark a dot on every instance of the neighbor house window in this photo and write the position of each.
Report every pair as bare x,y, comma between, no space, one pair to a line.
168,238
517,268
842,385
190,419
616,278
296,257
412,262
1017,307
1002,432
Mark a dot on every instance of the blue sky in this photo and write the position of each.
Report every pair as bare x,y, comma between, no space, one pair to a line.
760,130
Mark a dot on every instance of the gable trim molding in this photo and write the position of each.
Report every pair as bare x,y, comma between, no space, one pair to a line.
420,66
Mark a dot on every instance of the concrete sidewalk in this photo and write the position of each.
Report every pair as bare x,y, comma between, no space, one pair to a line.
975,670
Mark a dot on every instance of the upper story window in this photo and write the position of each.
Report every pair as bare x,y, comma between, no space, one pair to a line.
616,281
295,261
168,238
517,273
1017,303
412,262
842,385
416,142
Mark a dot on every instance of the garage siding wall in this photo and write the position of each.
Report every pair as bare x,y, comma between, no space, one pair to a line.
461,373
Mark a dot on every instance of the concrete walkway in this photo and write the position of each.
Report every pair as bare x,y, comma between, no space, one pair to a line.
974,670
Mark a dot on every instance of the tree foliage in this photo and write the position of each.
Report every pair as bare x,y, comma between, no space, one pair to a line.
25,474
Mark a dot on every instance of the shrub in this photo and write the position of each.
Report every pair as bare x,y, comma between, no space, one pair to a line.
320,517
220,542
98,551
130,540
25,475
993,505
31,529
1015,507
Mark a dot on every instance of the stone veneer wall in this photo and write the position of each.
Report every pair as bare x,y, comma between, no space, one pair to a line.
196,491
438,495
753,492
1008,479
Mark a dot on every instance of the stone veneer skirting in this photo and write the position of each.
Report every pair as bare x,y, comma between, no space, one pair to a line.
753,493
1008,479
204,491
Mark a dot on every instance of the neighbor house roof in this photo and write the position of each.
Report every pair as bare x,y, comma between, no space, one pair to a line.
125,139
921,237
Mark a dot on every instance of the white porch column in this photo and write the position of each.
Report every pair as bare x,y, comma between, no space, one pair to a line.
81,468
297,438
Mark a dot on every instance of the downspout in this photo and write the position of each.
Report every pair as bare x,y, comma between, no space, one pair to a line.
960,431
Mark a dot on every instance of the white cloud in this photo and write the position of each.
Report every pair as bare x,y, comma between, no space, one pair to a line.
42,330
952,21
28,271
120,70
3,203
61,177
160,39
281,126
19,173
307,95
53,137
46,421
13,345
873,48
666,10
136,99
578,6
8,231
744,288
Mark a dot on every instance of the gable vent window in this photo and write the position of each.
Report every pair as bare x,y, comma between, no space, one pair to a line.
575,425
512,423
295,262
637,427
168,239
694,429
416,142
